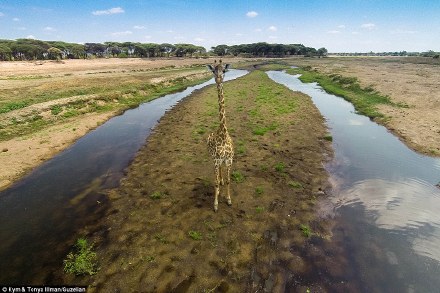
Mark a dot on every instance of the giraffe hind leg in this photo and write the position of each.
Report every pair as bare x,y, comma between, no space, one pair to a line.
228,181
217,187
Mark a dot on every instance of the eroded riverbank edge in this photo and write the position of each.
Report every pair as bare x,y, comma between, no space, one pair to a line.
161,235
21,155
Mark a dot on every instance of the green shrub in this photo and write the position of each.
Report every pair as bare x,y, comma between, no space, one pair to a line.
83,261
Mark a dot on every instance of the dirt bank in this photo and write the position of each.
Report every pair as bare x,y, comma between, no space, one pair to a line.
406,81
161,234
55,90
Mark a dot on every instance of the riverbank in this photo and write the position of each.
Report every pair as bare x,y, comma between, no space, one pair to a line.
411,83
161,233
46,107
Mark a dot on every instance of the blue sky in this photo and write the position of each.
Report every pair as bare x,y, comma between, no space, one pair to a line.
338,25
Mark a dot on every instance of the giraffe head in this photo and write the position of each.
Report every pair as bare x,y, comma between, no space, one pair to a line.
219,70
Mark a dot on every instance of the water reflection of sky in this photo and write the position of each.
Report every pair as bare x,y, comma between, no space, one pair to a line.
405,206
395,185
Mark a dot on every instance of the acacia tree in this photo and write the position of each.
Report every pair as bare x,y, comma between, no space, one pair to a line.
54,53
322,52
220,50
167,48
5,53
78,51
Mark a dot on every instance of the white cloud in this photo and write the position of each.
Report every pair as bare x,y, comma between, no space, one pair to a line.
272,28
341,26
334,32
30,37
368,26
252,14
16,19
139,27
239,34
114,10
2,14
170,31
120,34
49,29
258,30
21,28
199,39
354,33
273,37
147,37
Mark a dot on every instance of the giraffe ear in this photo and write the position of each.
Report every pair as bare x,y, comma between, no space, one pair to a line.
210,68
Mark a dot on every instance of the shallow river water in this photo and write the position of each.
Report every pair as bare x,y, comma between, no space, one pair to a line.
385,204
40,213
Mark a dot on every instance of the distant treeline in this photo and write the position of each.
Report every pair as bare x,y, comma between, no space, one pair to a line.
31,49
429,53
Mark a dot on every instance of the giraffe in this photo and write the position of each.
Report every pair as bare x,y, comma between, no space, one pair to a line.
219,142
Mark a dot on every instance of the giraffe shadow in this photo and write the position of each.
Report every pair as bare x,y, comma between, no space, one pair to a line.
203,193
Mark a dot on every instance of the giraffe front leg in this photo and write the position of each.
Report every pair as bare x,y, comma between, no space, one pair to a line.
217,187
228,181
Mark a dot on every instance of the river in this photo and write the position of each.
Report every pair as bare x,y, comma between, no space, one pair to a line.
384,202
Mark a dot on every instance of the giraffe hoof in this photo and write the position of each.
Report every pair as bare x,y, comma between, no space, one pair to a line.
215,208
229,202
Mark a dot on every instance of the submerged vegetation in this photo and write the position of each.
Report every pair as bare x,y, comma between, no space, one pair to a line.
83,261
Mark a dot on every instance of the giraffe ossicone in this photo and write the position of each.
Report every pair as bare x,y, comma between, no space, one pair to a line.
220,144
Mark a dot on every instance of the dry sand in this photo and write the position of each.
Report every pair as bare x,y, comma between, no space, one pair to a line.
404,80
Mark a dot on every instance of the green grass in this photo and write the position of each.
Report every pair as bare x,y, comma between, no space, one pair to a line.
295,184
305,229
237,176
259,209
195,235
262,130
364,100
279,167
160,238
56,109
328,137
83,261
259,191
11,106
156,195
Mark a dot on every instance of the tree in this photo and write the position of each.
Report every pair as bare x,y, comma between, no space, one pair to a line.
220,50
54,53
5,53
78,51
95,49
322,52
167,48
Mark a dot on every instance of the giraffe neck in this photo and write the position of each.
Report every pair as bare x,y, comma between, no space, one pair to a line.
221,109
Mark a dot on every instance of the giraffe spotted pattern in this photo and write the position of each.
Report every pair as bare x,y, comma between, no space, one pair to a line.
220,144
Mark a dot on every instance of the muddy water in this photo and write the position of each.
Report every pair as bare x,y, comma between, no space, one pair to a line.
385,202
40,214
